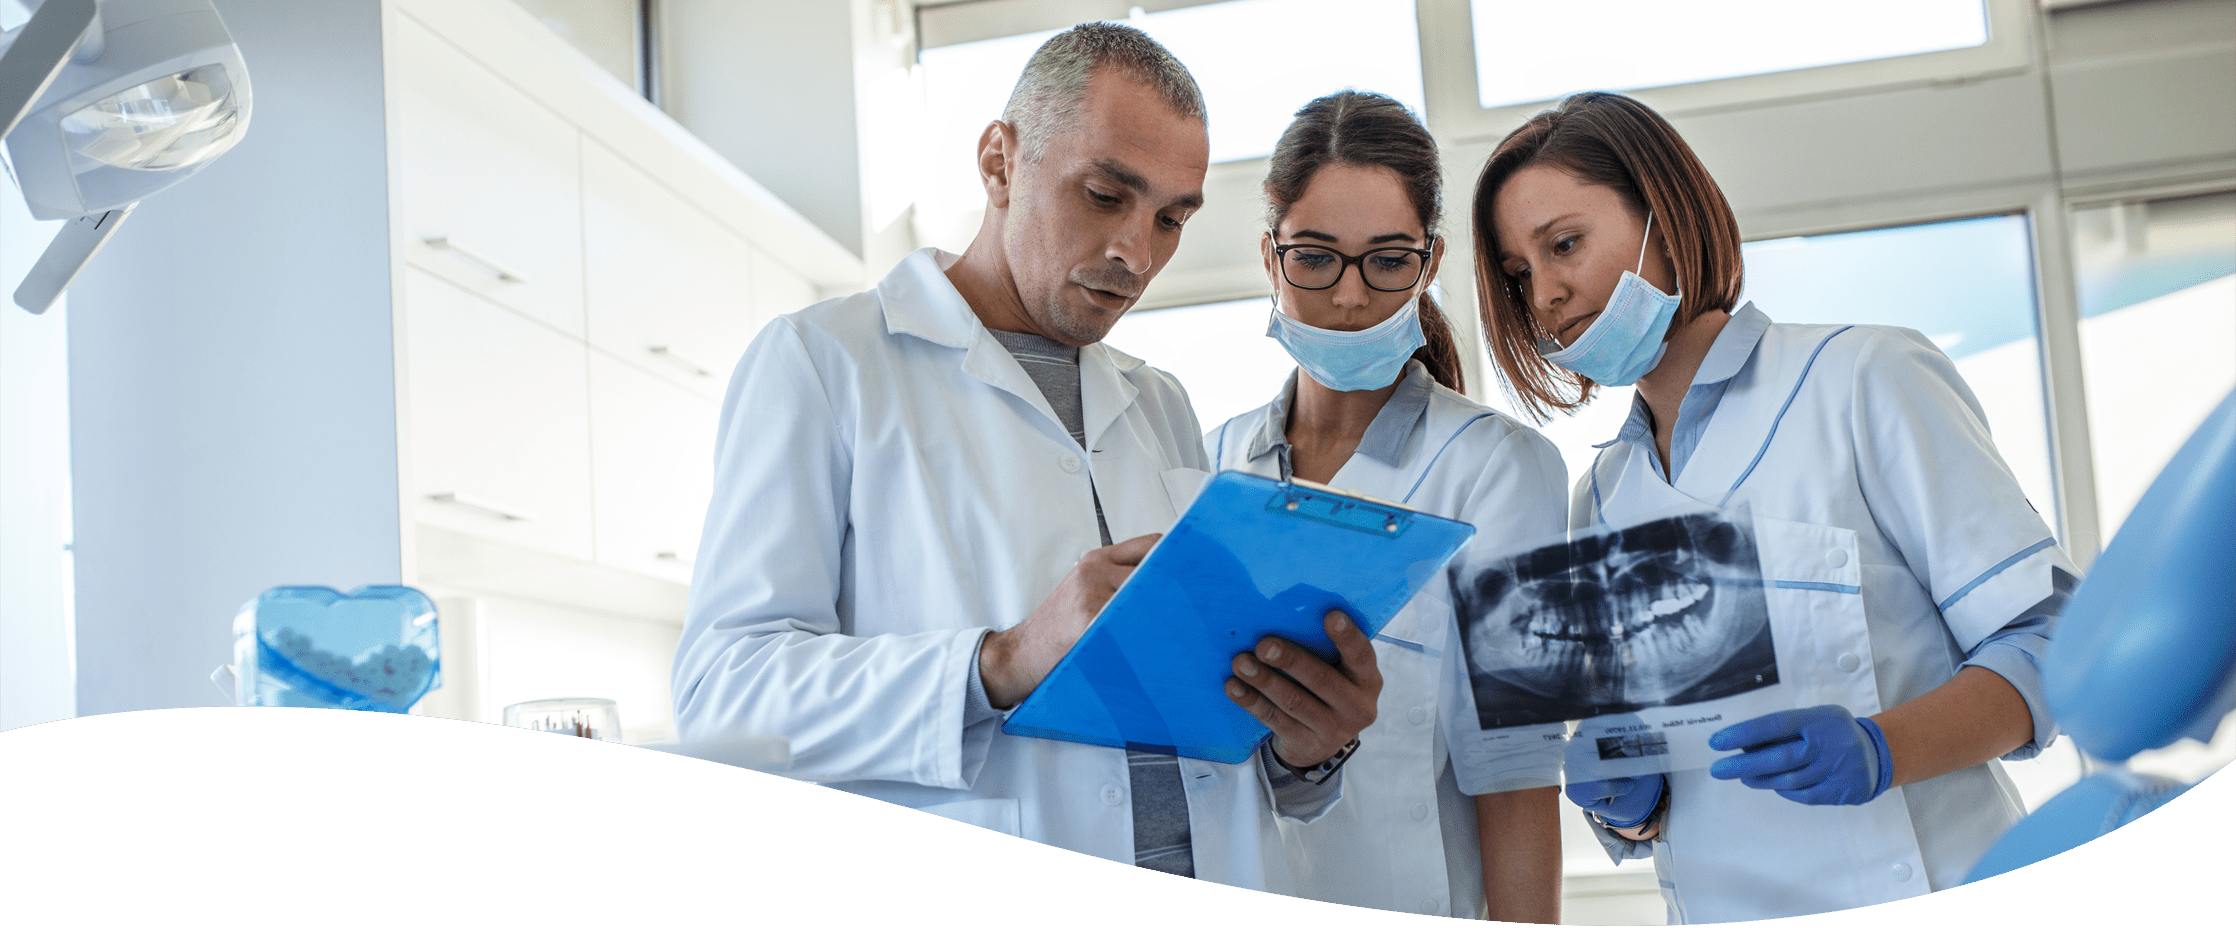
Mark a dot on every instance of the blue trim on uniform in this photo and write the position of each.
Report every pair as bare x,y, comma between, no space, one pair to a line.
1599,507
1401,642
1221,457
1408,499
1780,418
1999,567
1816,586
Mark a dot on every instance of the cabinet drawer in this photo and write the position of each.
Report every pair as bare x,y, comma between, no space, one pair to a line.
652,453
491,178
668,288
500,421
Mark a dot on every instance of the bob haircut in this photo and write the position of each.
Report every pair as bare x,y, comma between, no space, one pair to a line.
1610,140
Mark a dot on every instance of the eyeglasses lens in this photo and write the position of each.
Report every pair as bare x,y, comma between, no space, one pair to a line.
1313,269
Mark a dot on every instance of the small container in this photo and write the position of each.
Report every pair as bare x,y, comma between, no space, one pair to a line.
376,649
579,716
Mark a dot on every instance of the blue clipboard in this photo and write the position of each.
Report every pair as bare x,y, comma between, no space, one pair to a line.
1251,557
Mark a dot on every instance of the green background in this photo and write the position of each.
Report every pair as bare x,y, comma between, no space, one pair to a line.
327,821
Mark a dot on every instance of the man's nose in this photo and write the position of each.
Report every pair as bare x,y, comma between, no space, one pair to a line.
1130,248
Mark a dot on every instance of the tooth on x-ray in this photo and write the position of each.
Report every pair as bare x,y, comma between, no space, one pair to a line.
1663,613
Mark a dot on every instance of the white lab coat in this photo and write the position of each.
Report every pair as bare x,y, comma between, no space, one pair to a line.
889,486
1403,837
1895,540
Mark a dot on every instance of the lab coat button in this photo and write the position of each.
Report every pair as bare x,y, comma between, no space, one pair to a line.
1070,463
1417,715
1836,557
1848,663
1901,871
1420,811
1112,795
1428,906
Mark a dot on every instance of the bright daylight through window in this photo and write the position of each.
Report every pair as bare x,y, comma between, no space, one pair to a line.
1632,44
1257,61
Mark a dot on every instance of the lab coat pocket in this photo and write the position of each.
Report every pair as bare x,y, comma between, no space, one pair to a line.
994,813
1813,584
1181,485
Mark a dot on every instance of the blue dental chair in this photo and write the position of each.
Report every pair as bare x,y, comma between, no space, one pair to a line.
2146,651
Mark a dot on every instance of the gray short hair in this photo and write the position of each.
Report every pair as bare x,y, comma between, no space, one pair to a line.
1049,93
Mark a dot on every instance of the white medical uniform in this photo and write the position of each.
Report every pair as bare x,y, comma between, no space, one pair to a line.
890,486
1895,541
1403,837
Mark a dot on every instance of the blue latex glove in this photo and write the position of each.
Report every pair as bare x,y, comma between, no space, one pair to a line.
1820,755
1622,803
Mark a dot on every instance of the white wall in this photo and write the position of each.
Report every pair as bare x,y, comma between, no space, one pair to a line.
232,384
37,674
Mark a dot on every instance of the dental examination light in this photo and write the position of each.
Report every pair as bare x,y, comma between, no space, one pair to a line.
106,102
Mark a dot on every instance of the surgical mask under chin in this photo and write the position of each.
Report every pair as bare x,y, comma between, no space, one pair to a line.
1628,339
1368,359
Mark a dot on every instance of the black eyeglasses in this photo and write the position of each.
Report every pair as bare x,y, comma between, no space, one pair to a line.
1390,270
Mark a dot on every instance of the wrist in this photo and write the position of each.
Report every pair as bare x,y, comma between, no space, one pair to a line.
1884,756
996,671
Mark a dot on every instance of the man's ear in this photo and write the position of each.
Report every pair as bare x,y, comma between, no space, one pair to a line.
998,154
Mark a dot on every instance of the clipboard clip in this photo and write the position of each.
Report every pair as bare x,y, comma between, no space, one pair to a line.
1328,507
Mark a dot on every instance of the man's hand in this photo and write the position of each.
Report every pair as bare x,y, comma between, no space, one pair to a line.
1011,663
1313,708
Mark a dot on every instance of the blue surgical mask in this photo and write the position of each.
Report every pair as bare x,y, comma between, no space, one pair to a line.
1368,359
1628,339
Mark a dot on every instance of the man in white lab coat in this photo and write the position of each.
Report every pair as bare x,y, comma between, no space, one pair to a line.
925,491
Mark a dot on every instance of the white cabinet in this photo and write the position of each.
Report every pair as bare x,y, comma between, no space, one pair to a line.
499,422
669,288
778,289
652,453
490,182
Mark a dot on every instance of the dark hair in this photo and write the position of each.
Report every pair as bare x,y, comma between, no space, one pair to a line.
1367,129
1614,141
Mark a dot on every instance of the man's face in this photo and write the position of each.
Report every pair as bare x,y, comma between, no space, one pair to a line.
1089,225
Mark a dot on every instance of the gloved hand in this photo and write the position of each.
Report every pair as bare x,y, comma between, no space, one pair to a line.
1622,803
1820,755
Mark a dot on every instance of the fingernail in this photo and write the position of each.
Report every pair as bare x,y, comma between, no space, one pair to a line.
1339,622
1248,669
1234,689
1271,653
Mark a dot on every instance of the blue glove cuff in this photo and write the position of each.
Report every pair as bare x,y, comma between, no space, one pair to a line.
1886,757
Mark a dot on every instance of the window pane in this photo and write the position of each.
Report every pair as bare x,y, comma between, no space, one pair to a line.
1968,285
1257,61
2157,285
1218,351
1528,50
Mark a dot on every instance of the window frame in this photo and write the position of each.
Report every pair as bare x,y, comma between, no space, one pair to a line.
1449,80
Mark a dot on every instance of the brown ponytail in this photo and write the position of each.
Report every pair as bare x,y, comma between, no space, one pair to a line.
1367,129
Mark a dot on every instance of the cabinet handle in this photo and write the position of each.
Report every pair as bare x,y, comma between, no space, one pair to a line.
669,353
464,501
450,244
674,557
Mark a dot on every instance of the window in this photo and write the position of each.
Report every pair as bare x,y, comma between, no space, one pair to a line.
1256,61
1652,43
1967,285
2157,287
1218,351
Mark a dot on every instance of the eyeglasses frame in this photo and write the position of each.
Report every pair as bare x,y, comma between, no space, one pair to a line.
1281,263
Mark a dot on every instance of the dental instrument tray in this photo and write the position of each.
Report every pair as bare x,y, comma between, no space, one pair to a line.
1251,557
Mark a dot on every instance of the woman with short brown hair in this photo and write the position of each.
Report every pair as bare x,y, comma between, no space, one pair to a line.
1893,539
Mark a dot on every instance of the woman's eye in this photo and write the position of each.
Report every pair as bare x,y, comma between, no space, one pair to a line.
1564,245
1394,262
1519,273
1311,259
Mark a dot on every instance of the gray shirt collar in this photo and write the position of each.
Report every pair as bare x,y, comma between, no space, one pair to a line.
1385,437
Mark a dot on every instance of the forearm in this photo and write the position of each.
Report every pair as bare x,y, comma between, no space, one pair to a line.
890,707
1521,841
1974,717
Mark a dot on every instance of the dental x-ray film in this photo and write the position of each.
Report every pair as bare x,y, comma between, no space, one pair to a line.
1631,645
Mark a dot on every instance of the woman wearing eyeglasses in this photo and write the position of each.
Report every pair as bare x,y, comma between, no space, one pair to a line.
1374,406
